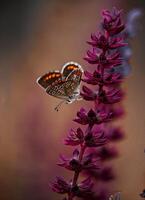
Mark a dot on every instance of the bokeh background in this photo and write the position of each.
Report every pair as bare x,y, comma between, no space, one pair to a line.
39,35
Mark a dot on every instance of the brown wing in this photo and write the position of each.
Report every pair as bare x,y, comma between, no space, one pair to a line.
49,79
59,89
69,67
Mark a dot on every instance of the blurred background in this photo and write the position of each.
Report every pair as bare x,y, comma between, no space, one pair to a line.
39,35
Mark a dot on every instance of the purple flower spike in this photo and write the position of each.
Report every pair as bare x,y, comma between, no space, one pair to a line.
109,55
112,22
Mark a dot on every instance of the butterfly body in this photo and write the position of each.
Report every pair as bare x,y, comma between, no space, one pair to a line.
64,85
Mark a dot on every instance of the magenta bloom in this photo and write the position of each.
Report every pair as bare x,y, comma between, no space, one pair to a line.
74,164
107,61
112,22
108,79
103,114
114,134
104,42
61,186
106,96
95,139
83,189
75,137
106,153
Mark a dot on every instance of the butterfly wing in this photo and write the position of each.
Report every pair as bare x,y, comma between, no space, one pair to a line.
48,79
69,67
63,89
72,72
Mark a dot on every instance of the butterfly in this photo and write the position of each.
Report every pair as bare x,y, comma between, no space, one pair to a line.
64,85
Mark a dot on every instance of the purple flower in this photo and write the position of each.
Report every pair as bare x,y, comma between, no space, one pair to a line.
110,96
114,133
108,79
88,94
75,138
103,60
117,112
106,96
104,42
106,152
74,163
112,21
61,186
105,173
85,188
94,117
95,138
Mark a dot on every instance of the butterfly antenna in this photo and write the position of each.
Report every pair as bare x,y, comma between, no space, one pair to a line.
59,105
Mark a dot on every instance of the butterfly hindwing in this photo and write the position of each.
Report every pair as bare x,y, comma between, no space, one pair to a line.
58,90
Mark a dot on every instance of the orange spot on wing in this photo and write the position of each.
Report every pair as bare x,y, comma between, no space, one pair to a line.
47,77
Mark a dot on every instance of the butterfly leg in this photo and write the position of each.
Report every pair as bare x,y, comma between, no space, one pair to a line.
59,105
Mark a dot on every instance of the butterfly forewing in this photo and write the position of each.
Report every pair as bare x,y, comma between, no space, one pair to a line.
49,78
68,68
